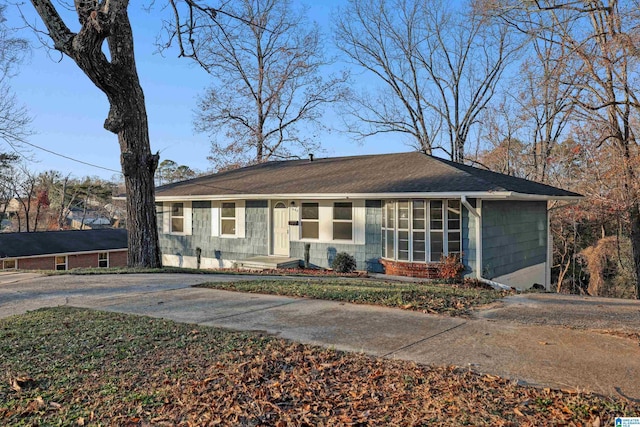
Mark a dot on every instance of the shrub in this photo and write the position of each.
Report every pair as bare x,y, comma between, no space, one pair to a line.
451,268
343,263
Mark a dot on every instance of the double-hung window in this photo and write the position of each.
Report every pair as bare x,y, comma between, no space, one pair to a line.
228,219
177,217
61,262
342,221
310,220
103,259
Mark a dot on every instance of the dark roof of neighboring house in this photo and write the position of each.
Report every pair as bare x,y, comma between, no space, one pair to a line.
14,245
412,172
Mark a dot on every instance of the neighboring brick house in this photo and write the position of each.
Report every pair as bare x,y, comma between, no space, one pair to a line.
395,213
63,250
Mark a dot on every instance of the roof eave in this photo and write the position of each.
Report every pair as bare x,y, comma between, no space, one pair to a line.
540,197
485,195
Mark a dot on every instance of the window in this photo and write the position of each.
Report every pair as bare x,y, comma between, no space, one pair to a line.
310,221
421,230
453,227
177,217
61,263
103,259
228,219
403,230
9,264
436,227
342,221
388,229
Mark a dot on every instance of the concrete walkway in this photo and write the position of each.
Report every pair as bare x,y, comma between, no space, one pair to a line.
498,340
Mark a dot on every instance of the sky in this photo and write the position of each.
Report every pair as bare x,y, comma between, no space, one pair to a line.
69,111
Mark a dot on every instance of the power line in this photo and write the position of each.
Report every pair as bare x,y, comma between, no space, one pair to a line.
60,155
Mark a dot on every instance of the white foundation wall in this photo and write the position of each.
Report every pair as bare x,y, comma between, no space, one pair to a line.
192,262
526,277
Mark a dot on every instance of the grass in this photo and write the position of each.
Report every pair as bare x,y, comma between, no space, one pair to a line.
454,300
177,270
66,366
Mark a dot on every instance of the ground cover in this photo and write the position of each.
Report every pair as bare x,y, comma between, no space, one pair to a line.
280,272
436,298
67,366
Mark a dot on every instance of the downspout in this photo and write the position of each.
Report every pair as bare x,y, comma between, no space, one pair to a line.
477,213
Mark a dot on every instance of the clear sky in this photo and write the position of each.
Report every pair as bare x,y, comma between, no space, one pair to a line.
69,111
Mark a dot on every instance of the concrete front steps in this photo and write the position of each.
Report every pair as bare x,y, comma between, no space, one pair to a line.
259,263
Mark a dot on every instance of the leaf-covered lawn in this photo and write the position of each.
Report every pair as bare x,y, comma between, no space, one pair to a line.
66,366
454,300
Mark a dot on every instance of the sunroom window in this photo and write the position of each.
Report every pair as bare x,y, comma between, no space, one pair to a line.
421,230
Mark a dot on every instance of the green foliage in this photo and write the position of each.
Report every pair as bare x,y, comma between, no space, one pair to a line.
343,263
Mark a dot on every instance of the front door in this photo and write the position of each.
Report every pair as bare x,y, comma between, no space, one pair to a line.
281,229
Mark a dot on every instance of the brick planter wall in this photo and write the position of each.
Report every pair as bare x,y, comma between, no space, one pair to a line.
411,269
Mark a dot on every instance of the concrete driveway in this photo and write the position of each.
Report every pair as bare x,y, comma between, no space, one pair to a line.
530,338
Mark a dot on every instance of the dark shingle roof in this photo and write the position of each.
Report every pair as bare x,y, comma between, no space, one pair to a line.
371,174
13,245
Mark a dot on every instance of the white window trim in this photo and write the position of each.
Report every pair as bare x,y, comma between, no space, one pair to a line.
445,229
108,260
216,219
186,215
344,221
228,218
325,222
318,221
66,262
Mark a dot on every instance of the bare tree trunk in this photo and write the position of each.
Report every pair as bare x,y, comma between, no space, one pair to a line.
118,79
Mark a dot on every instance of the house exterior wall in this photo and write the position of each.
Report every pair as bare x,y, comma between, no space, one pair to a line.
367,254
514,239
217,252
84,260
468,234
222,252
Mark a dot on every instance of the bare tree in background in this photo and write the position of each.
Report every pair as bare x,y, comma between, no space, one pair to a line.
546,99
599,40
14,119
439,68
117,77
266,61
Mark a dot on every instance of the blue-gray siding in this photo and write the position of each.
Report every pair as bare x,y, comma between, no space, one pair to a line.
367,255
469,224
255,241
514,236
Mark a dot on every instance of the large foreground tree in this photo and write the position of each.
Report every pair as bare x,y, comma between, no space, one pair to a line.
117,77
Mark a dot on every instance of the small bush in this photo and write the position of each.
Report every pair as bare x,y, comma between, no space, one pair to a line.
451,268
343,263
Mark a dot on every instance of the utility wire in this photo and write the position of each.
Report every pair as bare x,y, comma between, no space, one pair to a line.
59,155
